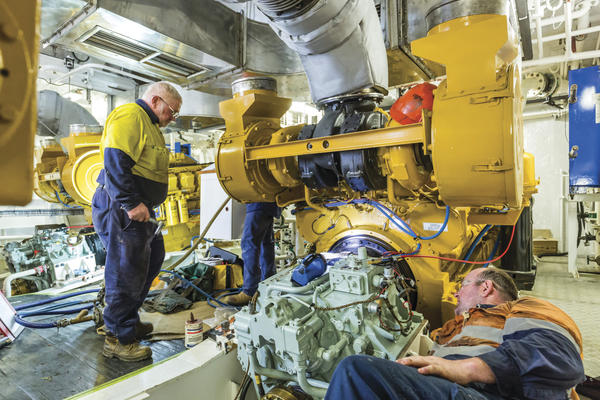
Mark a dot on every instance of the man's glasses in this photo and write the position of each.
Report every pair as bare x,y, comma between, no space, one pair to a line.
174,114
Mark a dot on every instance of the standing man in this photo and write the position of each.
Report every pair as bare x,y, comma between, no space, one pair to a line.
497,347
133,182
258,249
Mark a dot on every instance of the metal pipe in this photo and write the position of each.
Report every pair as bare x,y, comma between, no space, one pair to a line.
300,289
313,391
12,277
101,67
568,23
586,6
546,113
65,28
585,31
584,55
538,29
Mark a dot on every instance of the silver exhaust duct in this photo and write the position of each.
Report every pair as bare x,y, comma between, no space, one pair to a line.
340,43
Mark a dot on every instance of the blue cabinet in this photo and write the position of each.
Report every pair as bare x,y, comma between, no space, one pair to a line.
584,128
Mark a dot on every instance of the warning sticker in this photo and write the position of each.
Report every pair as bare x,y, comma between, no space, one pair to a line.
433,226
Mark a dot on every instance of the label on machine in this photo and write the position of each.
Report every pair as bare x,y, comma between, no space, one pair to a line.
434,226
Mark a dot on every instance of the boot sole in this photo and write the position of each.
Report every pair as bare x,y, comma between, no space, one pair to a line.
131,359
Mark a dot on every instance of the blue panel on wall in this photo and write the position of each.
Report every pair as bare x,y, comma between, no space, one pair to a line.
584,127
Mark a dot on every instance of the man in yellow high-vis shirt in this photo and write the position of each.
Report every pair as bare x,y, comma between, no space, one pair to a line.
132,183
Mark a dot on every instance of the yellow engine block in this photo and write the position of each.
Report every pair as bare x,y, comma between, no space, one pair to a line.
476,170
71,179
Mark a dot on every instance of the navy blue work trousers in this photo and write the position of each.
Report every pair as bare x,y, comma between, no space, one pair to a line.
258,249
134,257
368,377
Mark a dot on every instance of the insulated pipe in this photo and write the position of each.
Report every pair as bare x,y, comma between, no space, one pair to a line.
340,43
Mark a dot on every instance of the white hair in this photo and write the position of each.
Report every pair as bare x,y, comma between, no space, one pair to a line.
162,89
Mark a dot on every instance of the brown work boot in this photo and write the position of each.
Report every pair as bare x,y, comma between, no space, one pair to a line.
143,329
240,299
125,352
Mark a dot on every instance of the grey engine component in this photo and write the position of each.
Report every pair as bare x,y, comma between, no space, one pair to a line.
300,334
59,257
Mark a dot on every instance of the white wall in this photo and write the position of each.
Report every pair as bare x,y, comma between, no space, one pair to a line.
547,139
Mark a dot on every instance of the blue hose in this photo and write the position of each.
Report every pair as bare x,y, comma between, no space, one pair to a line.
228,292
52,300
56,312
441,229
188,283
51,310
395,219
64,204
476,241
494,250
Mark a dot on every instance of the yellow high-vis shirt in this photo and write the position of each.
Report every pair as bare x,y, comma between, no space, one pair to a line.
129,129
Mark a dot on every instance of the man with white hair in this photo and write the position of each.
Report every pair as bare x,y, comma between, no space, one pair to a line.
133,182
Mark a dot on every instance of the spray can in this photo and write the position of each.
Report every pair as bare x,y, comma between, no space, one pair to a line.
193,332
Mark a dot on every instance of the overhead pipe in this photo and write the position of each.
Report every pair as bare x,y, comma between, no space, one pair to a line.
578,32
65,28
584,55
101,67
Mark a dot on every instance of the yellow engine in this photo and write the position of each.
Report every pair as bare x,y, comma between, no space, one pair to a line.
19,41
71,180
427,189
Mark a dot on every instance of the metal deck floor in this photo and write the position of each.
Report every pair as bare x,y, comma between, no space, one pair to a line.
577,297
50,364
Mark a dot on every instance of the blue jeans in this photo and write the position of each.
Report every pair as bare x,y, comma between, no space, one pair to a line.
367,377
258,249
134,257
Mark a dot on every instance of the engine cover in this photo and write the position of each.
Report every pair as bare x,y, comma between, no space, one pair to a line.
300,334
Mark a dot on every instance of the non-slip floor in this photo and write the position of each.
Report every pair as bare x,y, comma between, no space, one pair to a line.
55,364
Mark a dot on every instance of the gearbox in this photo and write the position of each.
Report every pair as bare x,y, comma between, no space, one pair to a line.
298,334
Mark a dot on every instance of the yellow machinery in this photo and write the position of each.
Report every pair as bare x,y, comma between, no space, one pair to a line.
19,38
71,180
463,164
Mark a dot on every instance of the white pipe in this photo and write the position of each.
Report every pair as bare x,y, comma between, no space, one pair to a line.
597,47
564,192
576,14
538,30
11,277
584,55
591,29
100,67
568,23
543,114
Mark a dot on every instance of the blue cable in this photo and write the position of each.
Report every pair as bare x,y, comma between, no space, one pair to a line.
476,241
61,202
443,227
188,283
494,250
